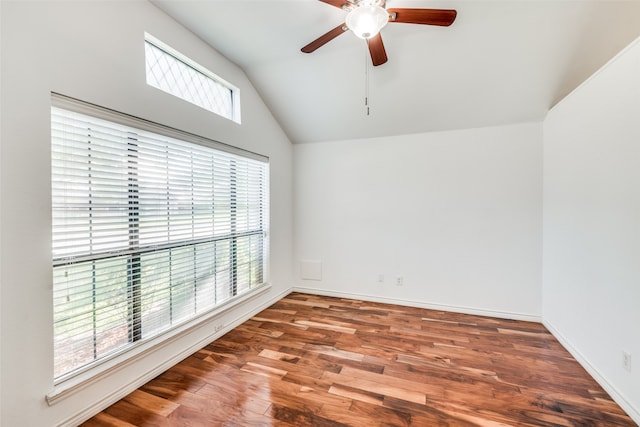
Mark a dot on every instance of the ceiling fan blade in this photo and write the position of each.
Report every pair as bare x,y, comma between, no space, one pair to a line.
324,39
337,3
442,17
376,49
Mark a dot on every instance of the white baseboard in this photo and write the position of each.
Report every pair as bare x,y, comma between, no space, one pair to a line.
618,397
431,306
136,382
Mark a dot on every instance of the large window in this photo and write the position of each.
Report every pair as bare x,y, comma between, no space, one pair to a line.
149,231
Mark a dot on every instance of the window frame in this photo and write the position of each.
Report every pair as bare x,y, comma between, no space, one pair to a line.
135,349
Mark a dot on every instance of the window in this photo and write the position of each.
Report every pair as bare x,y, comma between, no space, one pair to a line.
151,229
174,73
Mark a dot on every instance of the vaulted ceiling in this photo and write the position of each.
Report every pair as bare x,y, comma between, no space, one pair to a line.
500,62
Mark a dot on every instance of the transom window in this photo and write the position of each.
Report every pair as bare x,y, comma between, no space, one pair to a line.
149,231
174,73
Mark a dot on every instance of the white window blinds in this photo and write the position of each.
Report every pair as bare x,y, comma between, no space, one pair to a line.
149,231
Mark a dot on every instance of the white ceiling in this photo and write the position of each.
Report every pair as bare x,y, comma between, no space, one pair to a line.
500,62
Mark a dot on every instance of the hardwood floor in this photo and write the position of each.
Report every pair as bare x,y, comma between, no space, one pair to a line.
318,361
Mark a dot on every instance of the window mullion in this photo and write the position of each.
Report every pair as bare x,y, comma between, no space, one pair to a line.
233,203
194,276
94,323
94,319
134,262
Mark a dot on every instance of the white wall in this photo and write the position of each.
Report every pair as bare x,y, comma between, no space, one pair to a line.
94,51
591,279
1,133
458,214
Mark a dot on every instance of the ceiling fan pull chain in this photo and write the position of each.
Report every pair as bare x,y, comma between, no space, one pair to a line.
366,80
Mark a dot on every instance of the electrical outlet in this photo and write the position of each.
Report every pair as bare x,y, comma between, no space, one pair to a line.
219,328
380,278
626,360
399,281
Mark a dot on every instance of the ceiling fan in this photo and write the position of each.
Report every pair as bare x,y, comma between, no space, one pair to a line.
365,18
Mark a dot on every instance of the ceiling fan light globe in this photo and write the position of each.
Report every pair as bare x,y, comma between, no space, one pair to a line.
367,21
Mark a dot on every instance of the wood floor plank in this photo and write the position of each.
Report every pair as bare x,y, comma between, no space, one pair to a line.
133,414
381,386
105,420
311,360
150,402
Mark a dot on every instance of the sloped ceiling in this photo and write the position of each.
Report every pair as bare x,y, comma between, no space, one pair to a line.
501,62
